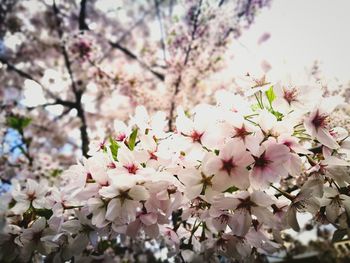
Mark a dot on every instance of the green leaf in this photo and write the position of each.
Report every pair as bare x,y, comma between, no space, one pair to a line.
270,95
132,139
231,189
47,213
114,146
279,116
339,234
18,122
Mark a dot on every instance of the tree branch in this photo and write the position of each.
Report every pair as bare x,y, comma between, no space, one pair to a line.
131,55
11,67
77,92
82,16
221,2
25,75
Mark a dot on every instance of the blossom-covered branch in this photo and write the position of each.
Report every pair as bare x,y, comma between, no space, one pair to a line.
216,186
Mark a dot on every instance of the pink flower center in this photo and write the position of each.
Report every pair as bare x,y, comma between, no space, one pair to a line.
290,95
83,48
132,168
261,161
241,132
102,146
31,196
120,137
227,165
152,156
246,204
88,176
320,120
111,165
196,136
288,144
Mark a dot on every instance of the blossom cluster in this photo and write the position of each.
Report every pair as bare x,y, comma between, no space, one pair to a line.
227,181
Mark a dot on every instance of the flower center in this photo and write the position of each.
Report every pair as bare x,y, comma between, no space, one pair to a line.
196,136
290,95
152,156
89,177
120,137
227,165
132,168
241,132
320,120
246,204
261,161
111,165
31,196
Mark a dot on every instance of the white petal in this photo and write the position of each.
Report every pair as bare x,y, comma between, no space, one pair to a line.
113,209
139,193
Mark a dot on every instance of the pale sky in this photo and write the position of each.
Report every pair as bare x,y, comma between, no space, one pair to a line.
302,31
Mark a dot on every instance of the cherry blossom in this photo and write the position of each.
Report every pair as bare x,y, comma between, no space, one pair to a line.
32,195
220,183
268,164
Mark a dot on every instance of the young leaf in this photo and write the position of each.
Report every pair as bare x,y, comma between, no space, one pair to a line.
231,189
114,146
270,95
132,139
17,122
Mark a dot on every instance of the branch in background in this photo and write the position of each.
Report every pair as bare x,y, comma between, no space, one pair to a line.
77,92
63,48
127,32
11,67
161,28
221,2
131,55
82,16
25,75
245,11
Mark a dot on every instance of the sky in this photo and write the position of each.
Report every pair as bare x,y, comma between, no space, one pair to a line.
302,31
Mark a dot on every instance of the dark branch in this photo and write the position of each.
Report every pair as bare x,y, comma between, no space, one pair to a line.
77,92
23,74
131,55
82,16
245,10
20,72
221,3
128,31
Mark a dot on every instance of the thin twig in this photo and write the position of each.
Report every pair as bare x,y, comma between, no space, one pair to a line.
131,55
